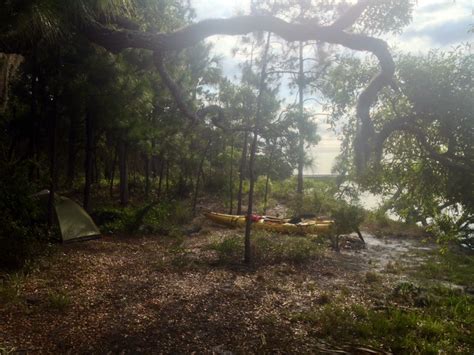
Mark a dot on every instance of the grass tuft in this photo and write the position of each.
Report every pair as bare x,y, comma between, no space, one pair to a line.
59,301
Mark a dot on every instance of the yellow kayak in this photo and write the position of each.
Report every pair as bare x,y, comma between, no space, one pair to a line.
273,224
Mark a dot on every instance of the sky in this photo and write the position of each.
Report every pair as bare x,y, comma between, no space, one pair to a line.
440,24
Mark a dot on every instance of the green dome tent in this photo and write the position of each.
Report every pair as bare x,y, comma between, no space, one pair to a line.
74,222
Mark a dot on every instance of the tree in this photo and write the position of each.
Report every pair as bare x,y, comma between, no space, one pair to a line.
426,157
115,32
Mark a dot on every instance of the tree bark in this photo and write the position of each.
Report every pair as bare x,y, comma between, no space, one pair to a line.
201,163
88,161
112,172
53,161
231,173
167,178
301,153
160,181
267,181
34,116
242,170
123,167
72,151
147,176
253,150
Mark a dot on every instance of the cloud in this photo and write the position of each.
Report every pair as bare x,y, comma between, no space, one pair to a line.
206,9
446,33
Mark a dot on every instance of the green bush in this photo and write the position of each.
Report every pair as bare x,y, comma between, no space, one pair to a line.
347,217
22,220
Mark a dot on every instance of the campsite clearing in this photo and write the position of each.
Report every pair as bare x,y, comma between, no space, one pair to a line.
182,294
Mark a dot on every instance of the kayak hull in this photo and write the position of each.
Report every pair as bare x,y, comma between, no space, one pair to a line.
272,224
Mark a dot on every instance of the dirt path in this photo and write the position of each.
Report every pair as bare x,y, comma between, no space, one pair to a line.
160,295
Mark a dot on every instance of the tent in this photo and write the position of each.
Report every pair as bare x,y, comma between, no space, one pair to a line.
74,221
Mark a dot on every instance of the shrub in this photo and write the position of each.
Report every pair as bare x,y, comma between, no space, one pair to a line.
157,217
22,224
112,219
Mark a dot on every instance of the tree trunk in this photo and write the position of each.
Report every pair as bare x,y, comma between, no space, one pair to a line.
72,152
360,235
231,182
88,161
147,176
167,178
33,143
243,164
253,150
160,181
265,198
112,173
201,163
124,194
301,153
53,162
95,169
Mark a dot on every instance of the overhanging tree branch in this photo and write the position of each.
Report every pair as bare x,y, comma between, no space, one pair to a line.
160,43
406,124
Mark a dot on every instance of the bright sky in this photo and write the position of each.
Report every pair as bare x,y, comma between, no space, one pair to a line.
436,24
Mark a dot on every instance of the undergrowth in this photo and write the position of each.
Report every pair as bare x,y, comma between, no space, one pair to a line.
153,218
443,325
452,266
380,225
268,248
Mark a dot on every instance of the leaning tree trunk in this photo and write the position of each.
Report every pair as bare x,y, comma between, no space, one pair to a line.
124,194
253,150
88,161
243,164
301,154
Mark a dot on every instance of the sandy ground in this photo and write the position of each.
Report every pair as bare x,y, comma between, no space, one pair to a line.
154,295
